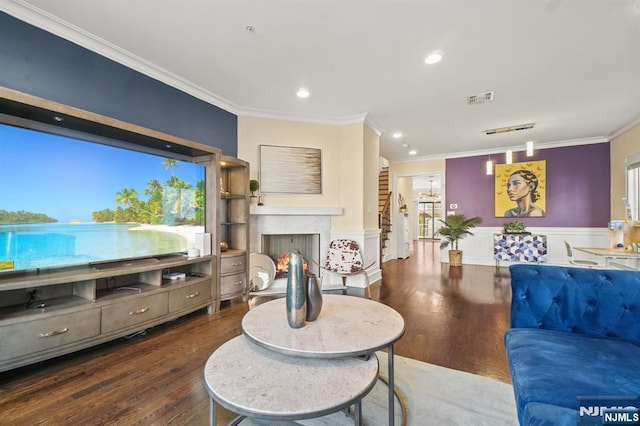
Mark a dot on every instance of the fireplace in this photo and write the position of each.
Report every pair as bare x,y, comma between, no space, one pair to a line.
313,224
277,245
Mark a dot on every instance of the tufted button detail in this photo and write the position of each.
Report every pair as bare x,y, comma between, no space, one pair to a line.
591,302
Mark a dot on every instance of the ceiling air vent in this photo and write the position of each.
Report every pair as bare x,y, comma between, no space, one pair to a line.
509,129
480,98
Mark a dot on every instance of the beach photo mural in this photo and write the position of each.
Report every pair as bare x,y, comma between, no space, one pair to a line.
67,202
520,189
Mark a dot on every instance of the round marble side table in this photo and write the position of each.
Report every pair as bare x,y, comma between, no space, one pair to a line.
347,326
256,382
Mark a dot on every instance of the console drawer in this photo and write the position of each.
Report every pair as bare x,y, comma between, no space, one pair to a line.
47,333
193,295
232,264
233,284
131,312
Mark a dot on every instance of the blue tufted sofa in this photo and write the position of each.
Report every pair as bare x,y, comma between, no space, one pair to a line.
574,332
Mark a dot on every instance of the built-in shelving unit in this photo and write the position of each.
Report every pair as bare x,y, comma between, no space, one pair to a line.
47,313
43,315
234,227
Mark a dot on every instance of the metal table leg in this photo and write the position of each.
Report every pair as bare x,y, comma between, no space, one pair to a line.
358,413
391,386
213,415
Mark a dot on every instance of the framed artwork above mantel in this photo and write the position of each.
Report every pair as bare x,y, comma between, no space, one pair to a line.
290,170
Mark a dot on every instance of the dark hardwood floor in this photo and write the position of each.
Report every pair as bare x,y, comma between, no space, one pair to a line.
454,318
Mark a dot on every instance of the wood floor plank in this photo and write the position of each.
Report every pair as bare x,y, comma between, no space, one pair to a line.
455,318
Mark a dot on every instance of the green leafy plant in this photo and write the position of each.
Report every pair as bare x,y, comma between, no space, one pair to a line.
456,227
254,185
514,226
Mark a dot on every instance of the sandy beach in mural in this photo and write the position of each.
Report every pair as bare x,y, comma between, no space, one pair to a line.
186,231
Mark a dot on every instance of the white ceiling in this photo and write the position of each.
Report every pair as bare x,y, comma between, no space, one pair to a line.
572,67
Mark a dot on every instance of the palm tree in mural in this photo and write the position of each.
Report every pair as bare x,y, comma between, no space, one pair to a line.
170,164
126,196
199,202
154,204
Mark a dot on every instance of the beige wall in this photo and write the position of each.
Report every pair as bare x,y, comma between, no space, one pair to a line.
346,165
412,168
621,147
371,171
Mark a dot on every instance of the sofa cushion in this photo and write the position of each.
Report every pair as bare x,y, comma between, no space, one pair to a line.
538,414
555,367
599,302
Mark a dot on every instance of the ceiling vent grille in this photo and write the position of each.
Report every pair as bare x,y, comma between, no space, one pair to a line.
509,129
480,98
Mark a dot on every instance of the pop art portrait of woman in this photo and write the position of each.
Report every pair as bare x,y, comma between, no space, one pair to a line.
520,189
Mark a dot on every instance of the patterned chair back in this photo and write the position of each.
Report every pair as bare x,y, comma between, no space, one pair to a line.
344,257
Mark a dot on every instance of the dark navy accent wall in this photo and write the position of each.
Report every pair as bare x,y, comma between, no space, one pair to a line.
44,65
578,186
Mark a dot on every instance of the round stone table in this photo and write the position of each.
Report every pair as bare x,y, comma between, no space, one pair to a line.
256,382
347,326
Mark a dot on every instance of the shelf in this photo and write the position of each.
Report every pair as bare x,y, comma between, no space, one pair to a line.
234,227
58,305
227,196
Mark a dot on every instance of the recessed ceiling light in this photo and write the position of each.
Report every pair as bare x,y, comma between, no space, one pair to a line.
302,93
433,58
397,135
413,152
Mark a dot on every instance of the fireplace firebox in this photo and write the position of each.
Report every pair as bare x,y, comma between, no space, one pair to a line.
278,245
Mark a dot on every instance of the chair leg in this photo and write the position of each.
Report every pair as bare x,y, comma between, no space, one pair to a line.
367,290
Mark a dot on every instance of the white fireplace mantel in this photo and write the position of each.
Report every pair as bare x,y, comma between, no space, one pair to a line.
279,220
295,211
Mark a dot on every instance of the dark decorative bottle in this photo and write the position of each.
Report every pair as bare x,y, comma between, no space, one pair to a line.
296,291
314,297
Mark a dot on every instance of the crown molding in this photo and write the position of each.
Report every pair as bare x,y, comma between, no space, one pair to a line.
56,26
373,125
336,121
624,129
502,150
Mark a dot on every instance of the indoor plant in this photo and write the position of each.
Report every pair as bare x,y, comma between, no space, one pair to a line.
254,185
455,227
514,227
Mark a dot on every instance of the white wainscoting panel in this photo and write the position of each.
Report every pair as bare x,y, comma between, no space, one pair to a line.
478,248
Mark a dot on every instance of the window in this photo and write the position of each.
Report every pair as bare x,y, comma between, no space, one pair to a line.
633,187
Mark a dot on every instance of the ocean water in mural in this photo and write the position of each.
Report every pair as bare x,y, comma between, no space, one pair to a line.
71,201
52,245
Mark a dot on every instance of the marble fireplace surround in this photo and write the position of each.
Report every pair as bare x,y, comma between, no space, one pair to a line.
267,220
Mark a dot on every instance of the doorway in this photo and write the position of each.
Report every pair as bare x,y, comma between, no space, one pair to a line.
429,213
415,191
428,194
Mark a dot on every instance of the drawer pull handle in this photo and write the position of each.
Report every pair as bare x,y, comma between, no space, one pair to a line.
238,283
192,295
237,264
139,311
54,332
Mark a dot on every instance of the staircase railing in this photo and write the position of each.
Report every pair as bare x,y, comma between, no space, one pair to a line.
384,223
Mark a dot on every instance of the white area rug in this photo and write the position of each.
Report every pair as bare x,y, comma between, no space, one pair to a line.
433,395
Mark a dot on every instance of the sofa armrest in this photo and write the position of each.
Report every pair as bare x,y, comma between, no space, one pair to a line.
596,302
